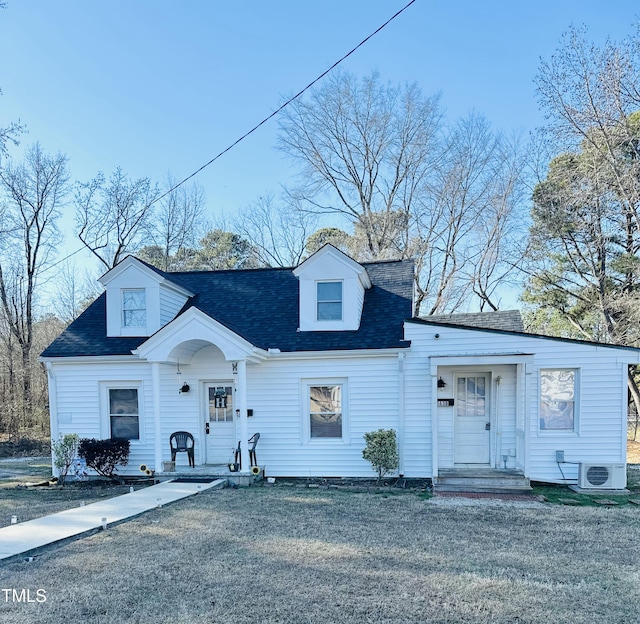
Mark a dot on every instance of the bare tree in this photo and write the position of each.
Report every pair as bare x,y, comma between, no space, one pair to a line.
467,218
34,192
178,222
365,149
277,231
113,216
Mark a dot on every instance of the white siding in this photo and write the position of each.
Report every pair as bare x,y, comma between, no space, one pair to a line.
81,409
276,394
600,431
171,303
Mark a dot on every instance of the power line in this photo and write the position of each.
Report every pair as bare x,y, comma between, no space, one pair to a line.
289,101
266,119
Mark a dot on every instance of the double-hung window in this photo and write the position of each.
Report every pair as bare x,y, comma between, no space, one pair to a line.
124,413
134,308
329,301
558,389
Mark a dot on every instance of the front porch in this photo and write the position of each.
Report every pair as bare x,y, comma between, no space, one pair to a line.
484,480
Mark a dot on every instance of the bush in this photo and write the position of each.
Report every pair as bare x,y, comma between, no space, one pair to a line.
104,455
381,451
64,452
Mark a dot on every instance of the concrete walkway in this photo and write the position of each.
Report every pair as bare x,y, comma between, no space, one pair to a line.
26,538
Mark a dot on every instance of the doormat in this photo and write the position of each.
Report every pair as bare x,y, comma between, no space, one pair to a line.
194,480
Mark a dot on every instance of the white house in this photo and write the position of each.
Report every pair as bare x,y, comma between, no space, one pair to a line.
314,357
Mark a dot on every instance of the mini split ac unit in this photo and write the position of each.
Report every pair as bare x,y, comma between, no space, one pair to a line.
602,476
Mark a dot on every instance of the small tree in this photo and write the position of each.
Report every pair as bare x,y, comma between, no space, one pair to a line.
104,455
381,450
64,452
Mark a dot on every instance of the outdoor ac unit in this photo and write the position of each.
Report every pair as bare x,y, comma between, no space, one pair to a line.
602,476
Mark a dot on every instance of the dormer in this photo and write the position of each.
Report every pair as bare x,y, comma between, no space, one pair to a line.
331,292
140,300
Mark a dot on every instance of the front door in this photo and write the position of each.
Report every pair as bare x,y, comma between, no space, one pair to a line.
472,425
219,422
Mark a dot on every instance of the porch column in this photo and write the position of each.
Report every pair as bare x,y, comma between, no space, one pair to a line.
434,419
242,406
157,426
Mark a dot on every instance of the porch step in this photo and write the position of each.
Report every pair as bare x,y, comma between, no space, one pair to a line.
482,481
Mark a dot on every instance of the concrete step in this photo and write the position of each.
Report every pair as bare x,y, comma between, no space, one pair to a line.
511,482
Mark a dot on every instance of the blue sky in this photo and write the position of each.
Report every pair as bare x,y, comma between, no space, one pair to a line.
162,85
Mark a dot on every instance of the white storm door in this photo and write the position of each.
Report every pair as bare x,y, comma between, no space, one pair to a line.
219,422
472,426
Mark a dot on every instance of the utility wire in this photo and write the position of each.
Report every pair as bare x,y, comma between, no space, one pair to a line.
289,101
266,119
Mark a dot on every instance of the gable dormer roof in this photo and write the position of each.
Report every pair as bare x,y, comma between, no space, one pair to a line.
329,251
161,277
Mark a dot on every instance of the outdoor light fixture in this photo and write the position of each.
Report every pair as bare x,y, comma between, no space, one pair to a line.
441,383
185,387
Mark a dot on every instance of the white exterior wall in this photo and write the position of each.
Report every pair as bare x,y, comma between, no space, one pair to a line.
279,402
373,399
171,303
600,433
81,406
276,394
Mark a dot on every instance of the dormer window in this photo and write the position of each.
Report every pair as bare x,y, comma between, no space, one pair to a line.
329,301
134,308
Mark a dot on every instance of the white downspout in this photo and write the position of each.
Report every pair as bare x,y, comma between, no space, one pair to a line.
401,446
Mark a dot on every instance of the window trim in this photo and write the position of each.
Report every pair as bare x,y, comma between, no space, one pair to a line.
340,301
576,401
305,389
105,407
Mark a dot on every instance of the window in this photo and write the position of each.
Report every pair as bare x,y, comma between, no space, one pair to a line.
325,411
124,413
329,299
557,399
134,308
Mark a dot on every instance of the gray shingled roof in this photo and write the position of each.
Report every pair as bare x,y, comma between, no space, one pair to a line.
261,305
507,320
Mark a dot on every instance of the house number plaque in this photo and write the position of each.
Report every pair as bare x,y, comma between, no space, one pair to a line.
445,402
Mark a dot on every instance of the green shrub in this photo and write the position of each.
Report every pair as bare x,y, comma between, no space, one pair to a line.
381,450
104,455
64,452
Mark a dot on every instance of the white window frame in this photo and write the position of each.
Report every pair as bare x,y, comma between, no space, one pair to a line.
305,390
125,326
576,401
340,301
105,407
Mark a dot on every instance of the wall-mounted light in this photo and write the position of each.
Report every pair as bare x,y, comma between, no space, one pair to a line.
442,383
185,387
234,368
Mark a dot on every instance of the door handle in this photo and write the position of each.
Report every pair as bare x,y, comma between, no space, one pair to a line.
487,426
206,428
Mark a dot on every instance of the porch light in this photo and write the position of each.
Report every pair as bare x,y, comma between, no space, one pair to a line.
441,383
185,387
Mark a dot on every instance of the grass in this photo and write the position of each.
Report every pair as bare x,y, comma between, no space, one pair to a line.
31,502
286,554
